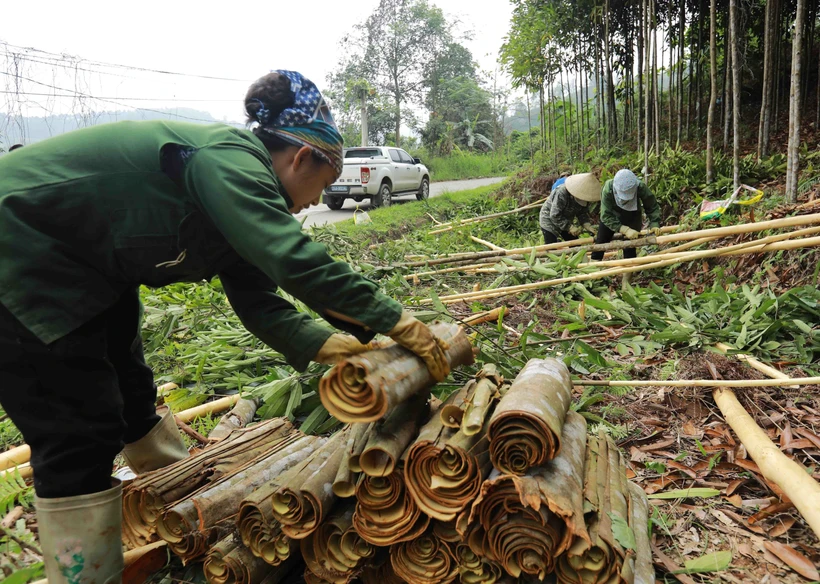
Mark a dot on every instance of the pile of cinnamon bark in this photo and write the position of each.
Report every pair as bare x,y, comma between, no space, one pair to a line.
498,483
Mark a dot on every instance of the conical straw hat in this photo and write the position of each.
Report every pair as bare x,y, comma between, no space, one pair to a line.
584,186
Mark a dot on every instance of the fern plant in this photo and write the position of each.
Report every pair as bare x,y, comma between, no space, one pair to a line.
14,491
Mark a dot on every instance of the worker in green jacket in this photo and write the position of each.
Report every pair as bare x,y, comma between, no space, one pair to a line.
624,199
89,216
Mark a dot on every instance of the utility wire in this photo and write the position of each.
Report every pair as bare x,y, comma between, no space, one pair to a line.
103,99
76,94
71,58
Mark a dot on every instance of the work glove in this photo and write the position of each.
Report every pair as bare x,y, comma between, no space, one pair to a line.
574,231
338,347
414,335
590,228
655,230
629,233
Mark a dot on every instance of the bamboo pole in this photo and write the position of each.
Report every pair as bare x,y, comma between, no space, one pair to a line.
15,456
791,477
520,250
482,317
492,246
701,382
213,407
610,272
690,245
663,239
777,246
456,224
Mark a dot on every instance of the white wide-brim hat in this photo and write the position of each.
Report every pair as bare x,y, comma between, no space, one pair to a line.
584,187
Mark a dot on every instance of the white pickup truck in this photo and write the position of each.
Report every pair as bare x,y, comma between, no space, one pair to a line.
378,173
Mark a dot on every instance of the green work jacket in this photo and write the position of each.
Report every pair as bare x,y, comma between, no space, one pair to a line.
613,216
86,215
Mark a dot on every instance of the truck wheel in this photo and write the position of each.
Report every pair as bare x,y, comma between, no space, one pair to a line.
424,190
335,203
384,196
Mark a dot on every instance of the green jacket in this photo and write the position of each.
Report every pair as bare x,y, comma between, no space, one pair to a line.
88,214
612,215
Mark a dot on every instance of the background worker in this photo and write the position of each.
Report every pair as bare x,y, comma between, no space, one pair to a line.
567,203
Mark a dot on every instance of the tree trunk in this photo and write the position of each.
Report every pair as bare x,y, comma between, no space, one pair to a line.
733,22
727,93
681,36
641,28
647,85
610,88
565,110
777,73
529,125
699,76
793,160
670,74
710,123
398,119
766,101
655,89
542,121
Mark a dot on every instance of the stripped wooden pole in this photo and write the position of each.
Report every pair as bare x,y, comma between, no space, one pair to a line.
487,243
792,478
487,267
613,271
685,246
700,382
456,224
664,239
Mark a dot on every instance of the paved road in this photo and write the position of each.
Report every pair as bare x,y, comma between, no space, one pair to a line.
321,214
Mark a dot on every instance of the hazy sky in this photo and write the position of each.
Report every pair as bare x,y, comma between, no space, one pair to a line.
238,40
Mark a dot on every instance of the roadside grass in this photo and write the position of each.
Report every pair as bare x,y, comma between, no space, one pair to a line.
463,166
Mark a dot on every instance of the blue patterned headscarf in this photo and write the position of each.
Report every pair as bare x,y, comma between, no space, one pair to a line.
307,122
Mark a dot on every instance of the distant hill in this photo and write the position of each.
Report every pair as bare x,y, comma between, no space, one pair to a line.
14,130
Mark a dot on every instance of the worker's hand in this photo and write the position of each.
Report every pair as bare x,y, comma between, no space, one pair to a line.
414,335
338,347
629,233
655,230
590,228
575,231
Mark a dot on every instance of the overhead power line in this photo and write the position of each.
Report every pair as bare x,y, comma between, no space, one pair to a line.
75,59
76,94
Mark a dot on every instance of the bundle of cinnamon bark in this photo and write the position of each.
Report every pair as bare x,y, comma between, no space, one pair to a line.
497,482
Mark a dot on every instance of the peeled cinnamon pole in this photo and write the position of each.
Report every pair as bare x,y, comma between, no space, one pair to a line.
390,438
365,387
524,522
526,426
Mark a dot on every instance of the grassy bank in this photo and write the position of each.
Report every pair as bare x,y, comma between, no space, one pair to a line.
464,166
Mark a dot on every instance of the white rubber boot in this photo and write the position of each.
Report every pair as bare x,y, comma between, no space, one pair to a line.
80,537
162,446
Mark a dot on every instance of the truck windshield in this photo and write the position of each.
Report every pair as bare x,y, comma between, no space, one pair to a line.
364,153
